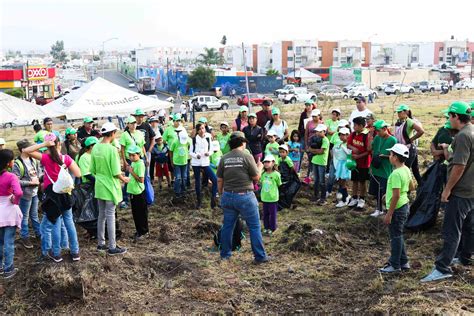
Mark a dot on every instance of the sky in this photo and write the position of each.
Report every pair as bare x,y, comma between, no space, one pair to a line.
85,24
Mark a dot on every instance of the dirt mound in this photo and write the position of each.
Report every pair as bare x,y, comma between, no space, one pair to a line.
205,229
302,237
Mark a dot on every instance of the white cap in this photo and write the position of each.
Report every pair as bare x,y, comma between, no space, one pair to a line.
271,133
108,127
158,135
269,158
284,146
400,149
343,123
315,112
344,130
224,123
336,110
320,128
2,141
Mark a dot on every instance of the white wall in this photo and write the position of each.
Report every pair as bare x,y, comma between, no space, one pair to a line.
277,56
264,57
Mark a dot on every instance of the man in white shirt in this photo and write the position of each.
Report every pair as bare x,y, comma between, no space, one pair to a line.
361,110
183,108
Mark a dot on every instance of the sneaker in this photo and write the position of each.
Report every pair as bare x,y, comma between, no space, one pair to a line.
26,243
102,248
264,260
56,259
339,196
75,257
389,269
341,204
116,251
406,266
376,213
123,205
353,202
436,275
361,203
10,274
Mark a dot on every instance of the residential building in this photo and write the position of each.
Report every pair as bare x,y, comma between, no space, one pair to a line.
406,54
160,56
453,52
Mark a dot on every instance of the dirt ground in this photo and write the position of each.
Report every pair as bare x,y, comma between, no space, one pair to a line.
324,260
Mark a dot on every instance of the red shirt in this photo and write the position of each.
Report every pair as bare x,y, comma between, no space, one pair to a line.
263,117
361,142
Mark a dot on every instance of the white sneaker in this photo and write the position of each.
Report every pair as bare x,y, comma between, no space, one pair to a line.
376,213
339,196
353,202
341,204
360,203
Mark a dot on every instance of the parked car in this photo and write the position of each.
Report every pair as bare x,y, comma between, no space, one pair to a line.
327,86
131,84
432,86
255,99
333,94
352,86
204,102
297,95
43,100
17,122
363,92
465,84
398,88
284,90
383,85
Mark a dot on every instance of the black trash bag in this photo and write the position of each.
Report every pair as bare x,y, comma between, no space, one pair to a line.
85,208
237,236
424,210
291,184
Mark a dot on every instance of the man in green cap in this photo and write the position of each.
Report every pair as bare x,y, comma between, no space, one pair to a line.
87,130
148,133
458,230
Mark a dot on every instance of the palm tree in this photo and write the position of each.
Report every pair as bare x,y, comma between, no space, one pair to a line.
211,57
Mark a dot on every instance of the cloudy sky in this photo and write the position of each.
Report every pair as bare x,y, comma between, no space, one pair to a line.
84,24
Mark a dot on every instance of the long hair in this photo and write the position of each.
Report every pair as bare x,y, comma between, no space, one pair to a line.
83,151
6,156
54,154
295,132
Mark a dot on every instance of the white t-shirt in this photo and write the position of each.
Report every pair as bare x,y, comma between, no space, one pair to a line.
278,129
183,109
357,113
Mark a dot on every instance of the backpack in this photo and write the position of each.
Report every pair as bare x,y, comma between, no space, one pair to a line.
208,144
237,236
22,167
64,183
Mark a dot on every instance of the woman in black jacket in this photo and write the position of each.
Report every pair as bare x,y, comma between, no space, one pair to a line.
254,135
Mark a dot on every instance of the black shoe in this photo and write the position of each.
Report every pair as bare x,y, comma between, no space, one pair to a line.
56,259
116,251
10,274
26,243
264,260
75,257
102,248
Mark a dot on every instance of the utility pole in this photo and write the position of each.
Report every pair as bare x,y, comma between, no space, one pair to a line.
246,79
472,64
103,54
167,75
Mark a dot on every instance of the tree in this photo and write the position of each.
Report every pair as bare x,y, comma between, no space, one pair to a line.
202,78
16,92
95,58
272,72
75,55
58,53
224,40
211,57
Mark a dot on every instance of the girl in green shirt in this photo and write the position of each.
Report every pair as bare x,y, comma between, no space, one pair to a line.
84,159
270,181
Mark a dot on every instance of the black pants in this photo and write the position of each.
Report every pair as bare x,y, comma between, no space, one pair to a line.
140,213
152,169
457,227
416,170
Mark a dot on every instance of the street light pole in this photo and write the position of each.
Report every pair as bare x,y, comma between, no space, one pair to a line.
103,54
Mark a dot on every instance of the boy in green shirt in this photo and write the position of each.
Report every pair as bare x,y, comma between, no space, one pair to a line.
272,146
179,152
136,189
319,163
398,185
223,138
380,167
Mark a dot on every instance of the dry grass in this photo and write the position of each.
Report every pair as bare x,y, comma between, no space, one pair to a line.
176,270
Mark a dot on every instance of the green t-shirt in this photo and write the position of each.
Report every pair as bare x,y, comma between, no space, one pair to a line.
399,179
270,183
272,149
442,137
332,126
288,161
135,187
105,166
214,159
322,159
379,147
84,164
170,135
130,139
180,152
224,142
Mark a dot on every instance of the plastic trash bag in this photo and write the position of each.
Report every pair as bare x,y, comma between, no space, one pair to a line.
149,191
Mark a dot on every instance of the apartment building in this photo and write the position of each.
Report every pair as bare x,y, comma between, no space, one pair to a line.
453,52
407,54
159,56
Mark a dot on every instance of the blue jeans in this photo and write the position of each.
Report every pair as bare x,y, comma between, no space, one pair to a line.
245,205
332,177
398,255
52,236
319,181
29,208
7,247
197,180
180,178
71,231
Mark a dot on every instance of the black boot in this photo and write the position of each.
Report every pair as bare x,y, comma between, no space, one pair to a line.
213,202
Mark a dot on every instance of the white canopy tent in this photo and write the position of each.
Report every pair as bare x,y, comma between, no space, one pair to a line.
14,109
305,75
103,98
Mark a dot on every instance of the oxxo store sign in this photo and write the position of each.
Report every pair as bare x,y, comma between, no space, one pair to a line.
37,73
40,81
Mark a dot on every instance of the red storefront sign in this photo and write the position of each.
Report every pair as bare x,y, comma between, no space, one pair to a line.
11,75
37,73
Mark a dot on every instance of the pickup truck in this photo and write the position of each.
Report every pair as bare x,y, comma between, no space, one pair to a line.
297,95
285,89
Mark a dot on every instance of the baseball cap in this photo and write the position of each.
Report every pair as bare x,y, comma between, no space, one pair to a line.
21,144
309,101
403,107
343,123
139,112
243,108
380,124
266,102
88,119
202,119
337,110
2,141
108,127
134,149
315,112
320,128
400,149
237,134
271,133
91,141
71,131
176,117
153,119
370,116
284,146
131,120
275,111
224,123
361,99
269,158
344,130
460,107
252,115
